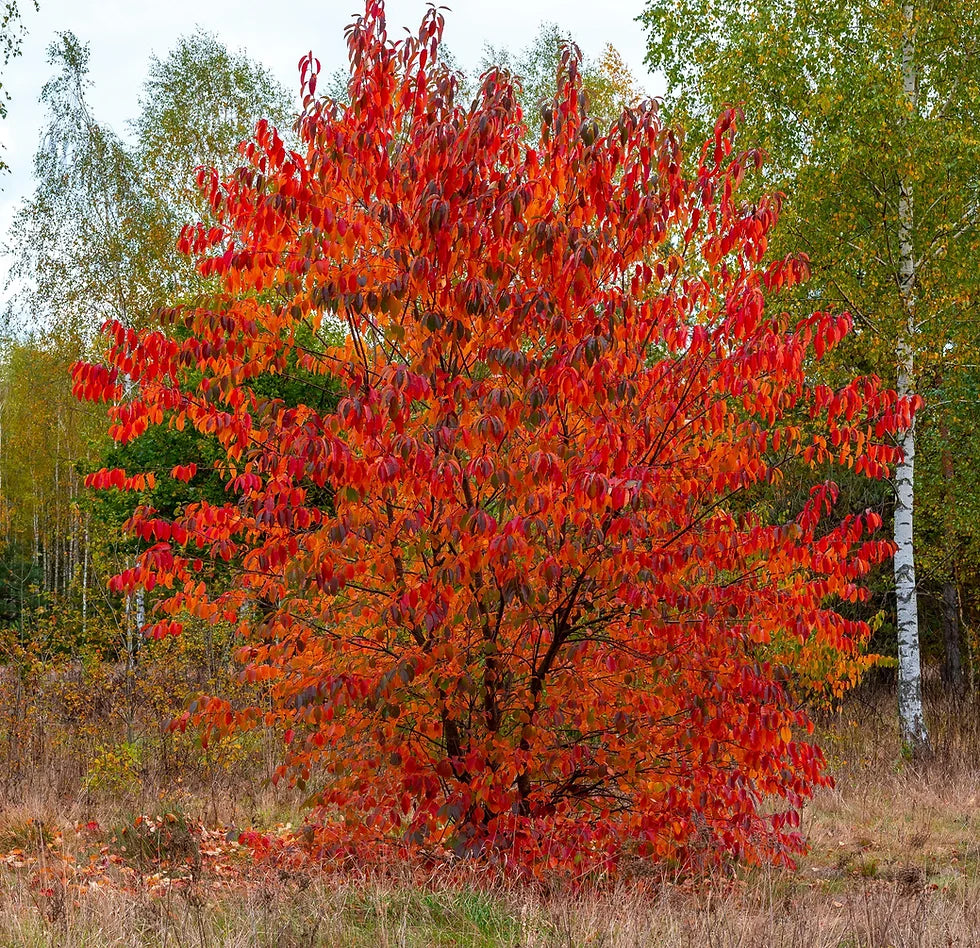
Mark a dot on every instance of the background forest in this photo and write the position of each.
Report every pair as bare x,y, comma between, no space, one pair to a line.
867,116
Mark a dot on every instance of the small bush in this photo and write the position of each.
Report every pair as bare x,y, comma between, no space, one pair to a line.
114,772
168,838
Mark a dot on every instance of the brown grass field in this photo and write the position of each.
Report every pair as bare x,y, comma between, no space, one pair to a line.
894,861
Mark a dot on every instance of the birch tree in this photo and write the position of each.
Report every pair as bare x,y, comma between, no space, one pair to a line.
96,240
868,112
198,103
86,245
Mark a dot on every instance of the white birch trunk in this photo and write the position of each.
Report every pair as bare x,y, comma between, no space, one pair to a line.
130,651
85,583
35,519
130,671
3,522
55,534
910,712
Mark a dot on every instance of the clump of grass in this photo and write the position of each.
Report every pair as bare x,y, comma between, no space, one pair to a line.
165,838
21,832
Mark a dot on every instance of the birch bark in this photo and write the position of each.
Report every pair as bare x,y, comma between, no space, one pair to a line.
910,711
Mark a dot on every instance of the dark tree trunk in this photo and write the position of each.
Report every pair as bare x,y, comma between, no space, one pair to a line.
953,665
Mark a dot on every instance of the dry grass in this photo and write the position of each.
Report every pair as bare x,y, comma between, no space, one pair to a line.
770,909
894,861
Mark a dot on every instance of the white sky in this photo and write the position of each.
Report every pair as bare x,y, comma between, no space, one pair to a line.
123,33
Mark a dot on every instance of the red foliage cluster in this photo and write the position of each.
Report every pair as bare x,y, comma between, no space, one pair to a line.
506,590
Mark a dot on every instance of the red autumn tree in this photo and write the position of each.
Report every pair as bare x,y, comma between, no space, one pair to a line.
506,591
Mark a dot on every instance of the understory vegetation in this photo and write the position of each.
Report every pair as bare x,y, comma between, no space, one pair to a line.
147,854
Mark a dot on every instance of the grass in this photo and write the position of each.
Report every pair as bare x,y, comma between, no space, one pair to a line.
765,909
894,861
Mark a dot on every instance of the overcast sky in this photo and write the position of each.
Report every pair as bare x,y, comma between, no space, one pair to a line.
123,34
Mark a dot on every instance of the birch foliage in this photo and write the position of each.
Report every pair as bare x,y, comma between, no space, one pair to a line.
868,112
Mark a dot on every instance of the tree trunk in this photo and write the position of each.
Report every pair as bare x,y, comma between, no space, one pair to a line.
130,672
953,666
55,517
85,584
911,716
